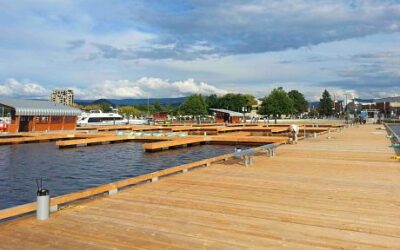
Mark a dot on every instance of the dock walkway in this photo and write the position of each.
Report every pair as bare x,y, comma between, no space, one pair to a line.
342,192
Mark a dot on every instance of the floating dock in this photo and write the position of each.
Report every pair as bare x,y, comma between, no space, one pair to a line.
337,193
107,140
31,138
181,142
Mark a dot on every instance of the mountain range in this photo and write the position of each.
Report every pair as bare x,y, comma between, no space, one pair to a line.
125,102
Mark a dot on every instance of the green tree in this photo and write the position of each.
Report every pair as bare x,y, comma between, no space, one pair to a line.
212,101
234,102
105,108
276,103
194,105
300,105
157,106
250,99
87,108
326,104
129,111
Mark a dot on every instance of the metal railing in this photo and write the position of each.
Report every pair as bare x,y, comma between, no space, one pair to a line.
395,136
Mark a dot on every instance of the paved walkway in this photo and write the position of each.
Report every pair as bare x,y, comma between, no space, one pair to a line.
342,192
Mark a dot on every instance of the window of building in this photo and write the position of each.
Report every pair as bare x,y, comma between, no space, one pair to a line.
42,119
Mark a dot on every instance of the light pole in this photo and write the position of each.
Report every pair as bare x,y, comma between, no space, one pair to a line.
244,114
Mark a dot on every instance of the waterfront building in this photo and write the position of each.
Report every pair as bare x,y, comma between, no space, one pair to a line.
38,115
224,115
389,106
160,116
63,96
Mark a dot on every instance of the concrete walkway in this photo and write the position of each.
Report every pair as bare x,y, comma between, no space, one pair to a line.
342,192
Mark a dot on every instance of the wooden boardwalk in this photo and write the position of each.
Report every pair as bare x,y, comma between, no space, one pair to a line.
107,140
220,139
338,193
43,137
178,142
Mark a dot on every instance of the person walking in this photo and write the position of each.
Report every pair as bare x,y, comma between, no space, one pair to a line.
294,132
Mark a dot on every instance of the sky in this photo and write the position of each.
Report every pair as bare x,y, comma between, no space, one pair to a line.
148,48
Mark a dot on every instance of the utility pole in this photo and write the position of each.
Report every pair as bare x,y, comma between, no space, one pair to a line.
148,107
244,114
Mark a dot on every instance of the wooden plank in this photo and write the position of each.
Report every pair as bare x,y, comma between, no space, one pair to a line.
265,129
249,139
38,138
114,138
18,210
173,143
337,193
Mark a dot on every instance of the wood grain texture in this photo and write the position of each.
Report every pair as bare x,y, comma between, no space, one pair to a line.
337,193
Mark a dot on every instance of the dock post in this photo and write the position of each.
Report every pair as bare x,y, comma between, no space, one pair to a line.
315,134
154,179
53,208
208,164
184,171
329,133
112,191
247,160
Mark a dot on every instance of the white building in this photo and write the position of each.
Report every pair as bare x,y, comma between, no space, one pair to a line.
63,96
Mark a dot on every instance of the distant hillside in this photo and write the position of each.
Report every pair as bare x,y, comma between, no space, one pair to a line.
122,102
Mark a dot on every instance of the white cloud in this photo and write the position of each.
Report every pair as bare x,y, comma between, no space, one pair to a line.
146,87
26,88
119,89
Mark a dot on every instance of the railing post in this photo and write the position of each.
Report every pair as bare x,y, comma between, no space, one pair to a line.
113,191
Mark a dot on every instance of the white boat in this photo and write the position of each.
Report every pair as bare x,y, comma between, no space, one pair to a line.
98,118
138,121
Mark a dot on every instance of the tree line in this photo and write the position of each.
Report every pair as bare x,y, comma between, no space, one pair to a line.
277,103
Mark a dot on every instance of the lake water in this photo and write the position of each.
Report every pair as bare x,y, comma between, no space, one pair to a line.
68,170
396,129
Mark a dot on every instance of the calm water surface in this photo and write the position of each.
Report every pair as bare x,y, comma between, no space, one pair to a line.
68,170
396,129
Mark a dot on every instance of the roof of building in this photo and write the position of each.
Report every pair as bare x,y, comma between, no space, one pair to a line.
226,111
39,108
364,101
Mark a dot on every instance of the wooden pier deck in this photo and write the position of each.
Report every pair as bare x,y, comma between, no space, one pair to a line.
107,140
256,140
338,193
178,142
42,137
231,139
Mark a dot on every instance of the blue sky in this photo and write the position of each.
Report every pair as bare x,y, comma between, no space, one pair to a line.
133,49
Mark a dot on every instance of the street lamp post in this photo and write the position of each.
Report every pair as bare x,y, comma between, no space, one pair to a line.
244,114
